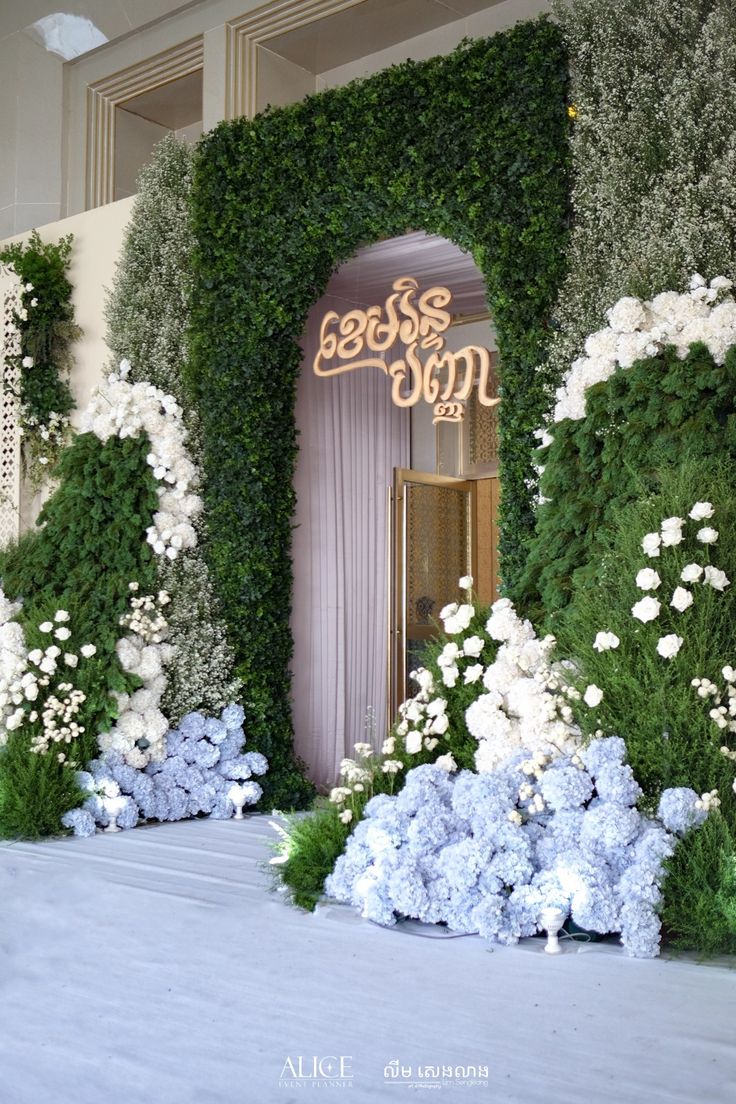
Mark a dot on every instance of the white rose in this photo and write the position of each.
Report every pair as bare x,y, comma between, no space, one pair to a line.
669,646
449,675
436,707
88,650
650,544
691,573
681,599
472,674
707,535
466,582
716,578
459,621
646,609
413,742
647,579
447,763
701,511
672,531
593,695
46,626
61,615
62,634
473,646
605,640
440,725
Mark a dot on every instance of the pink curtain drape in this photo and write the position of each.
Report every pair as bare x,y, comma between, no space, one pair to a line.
351,437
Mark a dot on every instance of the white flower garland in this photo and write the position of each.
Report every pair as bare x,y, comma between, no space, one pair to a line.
123,409
638,329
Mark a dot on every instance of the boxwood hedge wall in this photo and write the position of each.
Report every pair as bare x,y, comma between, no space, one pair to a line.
471,146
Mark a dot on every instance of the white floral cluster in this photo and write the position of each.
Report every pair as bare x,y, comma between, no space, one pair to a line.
722,712
671,534
145,618
13,667
58,718
53,431
28,694
123,409
139,733
355,777
525,704
637,329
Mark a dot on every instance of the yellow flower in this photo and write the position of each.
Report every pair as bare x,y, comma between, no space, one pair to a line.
572,111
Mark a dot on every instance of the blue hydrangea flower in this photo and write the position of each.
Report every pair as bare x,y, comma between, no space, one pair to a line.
233,716
81,822
677,810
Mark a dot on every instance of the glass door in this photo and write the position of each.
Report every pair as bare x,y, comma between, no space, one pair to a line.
433,546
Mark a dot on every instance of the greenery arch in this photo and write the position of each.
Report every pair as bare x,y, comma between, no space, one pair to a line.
472,146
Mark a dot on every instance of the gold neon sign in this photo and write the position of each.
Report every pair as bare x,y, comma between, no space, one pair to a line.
445,378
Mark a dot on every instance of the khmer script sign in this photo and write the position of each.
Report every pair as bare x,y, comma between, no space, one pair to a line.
427,369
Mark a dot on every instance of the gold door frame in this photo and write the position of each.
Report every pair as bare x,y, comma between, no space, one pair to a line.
397,582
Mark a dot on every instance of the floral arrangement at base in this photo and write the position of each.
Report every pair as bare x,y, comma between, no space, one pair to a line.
488,852
204,771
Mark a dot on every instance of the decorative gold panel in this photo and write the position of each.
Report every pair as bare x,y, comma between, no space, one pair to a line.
481,427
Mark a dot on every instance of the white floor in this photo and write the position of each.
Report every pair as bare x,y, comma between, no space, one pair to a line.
155,967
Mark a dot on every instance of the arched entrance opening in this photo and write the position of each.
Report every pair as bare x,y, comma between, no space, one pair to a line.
394,503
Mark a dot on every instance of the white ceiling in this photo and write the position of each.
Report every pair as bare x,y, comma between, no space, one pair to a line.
113,18
367,278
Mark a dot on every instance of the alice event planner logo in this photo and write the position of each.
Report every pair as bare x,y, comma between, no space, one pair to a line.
336,1071
331,1070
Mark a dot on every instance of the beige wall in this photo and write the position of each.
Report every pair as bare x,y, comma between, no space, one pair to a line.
440,41
279,81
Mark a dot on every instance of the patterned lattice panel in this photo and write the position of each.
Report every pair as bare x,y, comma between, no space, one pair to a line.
10,303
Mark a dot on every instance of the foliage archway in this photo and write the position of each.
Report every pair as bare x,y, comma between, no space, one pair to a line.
473,147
